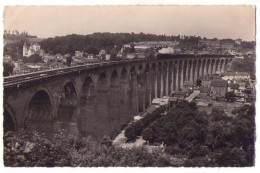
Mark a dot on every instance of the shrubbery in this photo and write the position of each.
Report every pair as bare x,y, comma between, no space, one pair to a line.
22,149
135,129
204,138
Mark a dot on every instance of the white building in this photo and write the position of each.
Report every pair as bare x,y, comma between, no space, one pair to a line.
168,50
32,49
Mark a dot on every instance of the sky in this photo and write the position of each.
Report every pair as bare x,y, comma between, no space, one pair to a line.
205,21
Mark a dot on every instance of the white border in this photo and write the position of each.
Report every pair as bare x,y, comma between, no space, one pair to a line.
135,2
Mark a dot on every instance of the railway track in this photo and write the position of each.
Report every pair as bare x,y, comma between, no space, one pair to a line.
16,81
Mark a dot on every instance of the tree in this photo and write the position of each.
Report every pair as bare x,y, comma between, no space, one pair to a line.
130,133
92,50
230,96
68,60
198,82
35,58
8,68
132,48
148,135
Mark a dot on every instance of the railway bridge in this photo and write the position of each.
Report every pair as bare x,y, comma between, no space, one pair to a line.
96,99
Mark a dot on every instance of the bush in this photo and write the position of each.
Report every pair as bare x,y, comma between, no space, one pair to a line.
174,151
148,135
138,126
133,130
130,133
198,151
24,149
149,118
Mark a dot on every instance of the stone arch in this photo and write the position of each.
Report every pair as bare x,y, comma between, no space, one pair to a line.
199,69
194,70
208,67
139,75
180,68
222,64
203,67
102,106
133,91
140,88
39,115
132,72
102,83
124,75
114,103
175,75
10,123
213,70
124,96
153,81
189,75
217,65
159,80
226,63
87,108
170,78
185,70
114,79
147,85
164,79
67,108
88,91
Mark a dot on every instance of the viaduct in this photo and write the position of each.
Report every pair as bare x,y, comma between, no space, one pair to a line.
97,101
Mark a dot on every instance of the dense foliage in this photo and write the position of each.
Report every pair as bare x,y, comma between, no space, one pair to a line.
8,68
244,65
206,140
22,149
135,129
35,58
92,43
194,137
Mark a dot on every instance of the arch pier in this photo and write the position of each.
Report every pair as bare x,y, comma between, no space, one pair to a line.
98,101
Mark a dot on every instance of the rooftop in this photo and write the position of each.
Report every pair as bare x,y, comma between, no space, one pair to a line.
219,83
234,86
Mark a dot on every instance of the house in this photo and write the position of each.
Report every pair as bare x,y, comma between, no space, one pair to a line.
130,56
119,55
102,52
205,83
187,86
179,94
204,92
238,41
233,87
140,55
227,44
90,56
78,53
209,43
218,88
107,57
158,102
168,50
32,49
